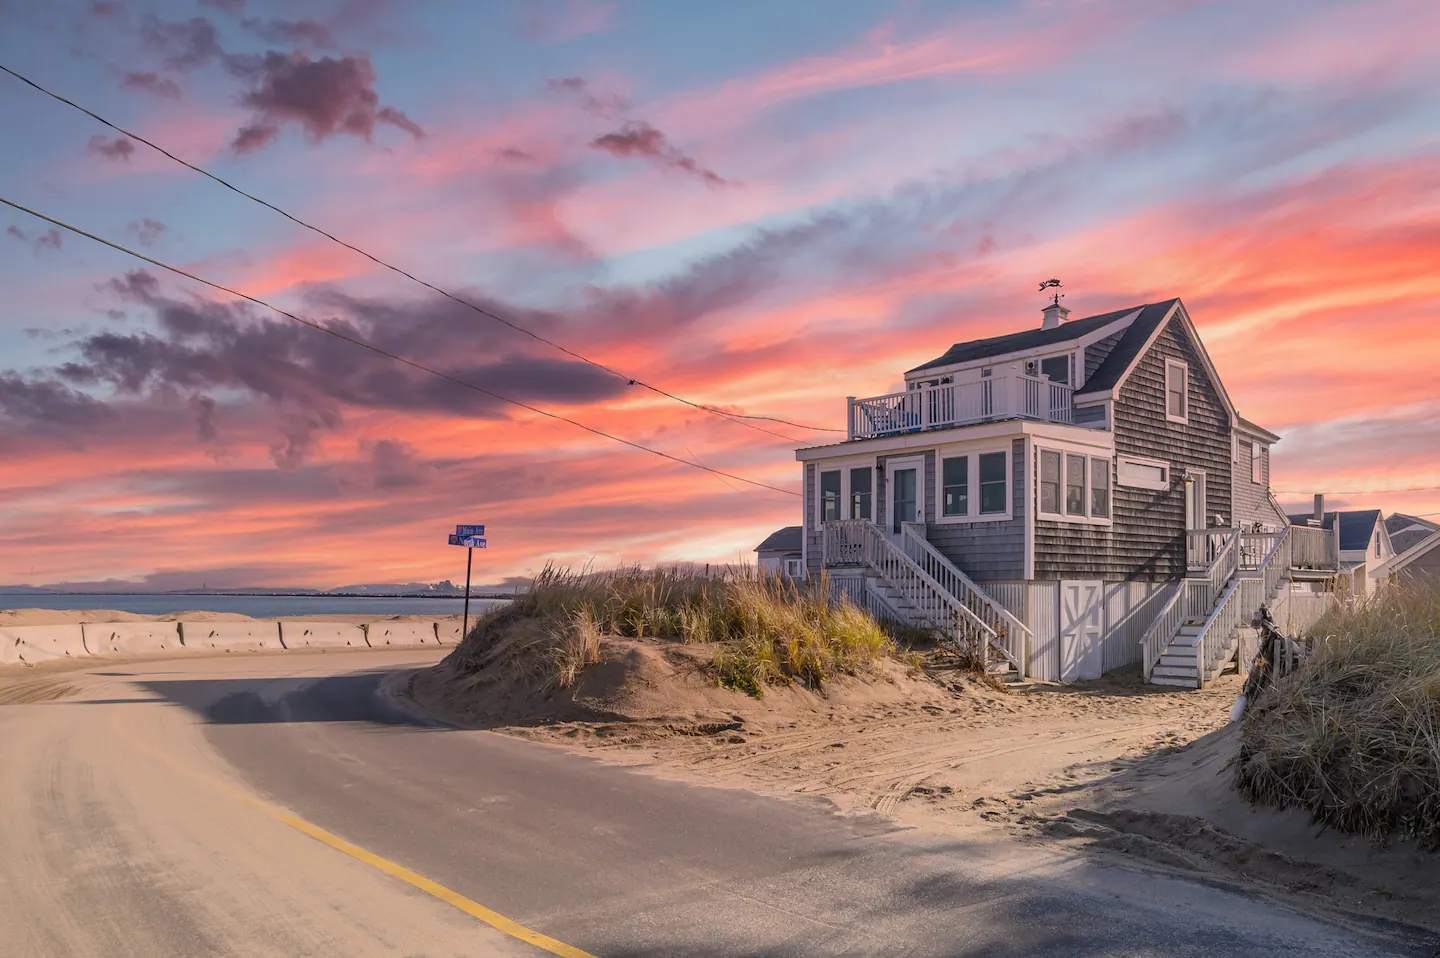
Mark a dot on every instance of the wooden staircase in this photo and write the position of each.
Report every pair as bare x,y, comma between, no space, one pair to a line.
1196,632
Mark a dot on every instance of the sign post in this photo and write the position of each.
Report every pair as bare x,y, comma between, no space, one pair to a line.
472,538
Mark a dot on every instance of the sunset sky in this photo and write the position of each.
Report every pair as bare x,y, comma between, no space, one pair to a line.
757,205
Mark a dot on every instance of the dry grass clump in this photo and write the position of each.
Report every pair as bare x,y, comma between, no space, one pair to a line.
767,630
1353,735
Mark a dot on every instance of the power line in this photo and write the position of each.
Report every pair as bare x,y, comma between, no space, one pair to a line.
737,418
398,358
1357,492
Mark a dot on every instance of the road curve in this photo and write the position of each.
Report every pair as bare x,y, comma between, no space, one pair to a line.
158,811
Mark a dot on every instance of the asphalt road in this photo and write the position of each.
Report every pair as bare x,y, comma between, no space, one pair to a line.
162,811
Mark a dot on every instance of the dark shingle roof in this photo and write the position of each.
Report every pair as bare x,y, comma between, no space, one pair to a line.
1129,347
1028,339
1356,527
1406,531
781,540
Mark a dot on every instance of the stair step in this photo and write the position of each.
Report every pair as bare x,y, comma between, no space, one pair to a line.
1184,683
1174,671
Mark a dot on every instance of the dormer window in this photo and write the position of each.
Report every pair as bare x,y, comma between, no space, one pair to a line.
1177,391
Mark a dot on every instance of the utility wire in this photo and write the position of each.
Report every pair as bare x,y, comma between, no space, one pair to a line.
389,355
737,418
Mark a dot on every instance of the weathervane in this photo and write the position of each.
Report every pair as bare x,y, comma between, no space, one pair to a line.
1055,283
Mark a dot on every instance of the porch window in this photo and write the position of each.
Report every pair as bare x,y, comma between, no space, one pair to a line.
992,483
1100,488
1257,463
955,486
1177,391
1049,482
829,496
1074,485
861,485
1057,368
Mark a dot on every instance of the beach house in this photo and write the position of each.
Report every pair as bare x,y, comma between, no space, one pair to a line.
1075,497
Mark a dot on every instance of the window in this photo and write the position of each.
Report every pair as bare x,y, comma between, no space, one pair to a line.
1057,368
1074,485
862,482
829,496
1050,482
955,486
1177,391
793,568
1100,488
1257,462
992,483
905,496
1142,473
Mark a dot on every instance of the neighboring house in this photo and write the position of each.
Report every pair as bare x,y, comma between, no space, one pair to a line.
1079,496
782,553
1420,562
1364,541
1405,531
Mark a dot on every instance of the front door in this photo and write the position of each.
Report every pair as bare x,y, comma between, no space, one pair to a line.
1082,628
905,496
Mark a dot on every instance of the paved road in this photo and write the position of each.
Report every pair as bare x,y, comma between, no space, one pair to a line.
129,826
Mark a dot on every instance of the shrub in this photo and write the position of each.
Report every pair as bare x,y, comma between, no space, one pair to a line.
767,630
1353,735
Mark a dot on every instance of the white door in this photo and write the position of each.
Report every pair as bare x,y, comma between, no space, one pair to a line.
904,494
1082,628
1197,547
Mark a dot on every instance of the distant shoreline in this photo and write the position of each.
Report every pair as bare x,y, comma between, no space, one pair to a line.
294,595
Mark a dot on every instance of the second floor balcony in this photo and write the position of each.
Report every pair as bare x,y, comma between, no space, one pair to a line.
1008,396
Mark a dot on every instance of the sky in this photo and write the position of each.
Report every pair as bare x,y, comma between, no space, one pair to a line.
761,208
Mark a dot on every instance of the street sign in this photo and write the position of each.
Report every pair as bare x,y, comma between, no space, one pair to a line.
469,530
472,542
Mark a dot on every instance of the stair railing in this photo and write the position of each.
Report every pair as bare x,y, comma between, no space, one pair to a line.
1194,598
1000,620
1163,630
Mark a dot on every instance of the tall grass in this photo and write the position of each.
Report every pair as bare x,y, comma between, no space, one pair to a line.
1353,735
766,630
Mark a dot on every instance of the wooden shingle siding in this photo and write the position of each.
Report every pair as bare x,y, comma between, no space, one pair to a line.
983,550
1146,539
1097,352
1252,500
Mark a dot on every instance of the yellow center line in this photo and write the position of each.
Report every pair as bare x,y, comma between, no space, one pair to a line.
472,908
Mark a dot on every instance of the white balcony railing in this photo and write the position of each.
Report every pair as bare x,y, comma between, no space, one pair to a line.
958,404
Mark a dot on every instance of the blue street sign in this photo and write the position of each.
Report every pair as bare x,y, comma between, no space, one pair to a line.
472,542
469,530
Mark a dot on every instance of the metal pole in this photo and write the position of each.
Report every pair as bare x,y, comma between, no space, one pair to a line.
465,621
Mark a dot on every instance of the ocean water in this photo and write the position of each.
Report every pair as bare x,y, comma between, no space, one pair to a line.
256,606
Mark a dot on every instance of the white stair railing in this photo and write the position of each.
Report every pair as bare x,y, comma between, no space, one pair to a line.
1163,630
1000,620
846,539
1193,598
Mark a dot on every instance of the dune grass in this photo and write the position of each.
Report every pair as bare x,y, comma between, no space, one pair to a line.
766,630
1353,736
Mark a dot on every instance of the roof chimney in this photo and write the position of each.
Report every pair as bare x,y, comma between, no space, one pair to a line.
1320,508
1054,314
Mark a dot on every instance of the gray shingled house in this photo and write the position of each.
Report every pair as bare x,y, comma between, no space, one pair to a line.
1364,542
782,553
1078,496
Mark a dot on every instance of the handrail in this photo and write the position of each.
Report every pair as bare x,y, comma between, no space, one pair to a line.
1166,623
968,585
953,404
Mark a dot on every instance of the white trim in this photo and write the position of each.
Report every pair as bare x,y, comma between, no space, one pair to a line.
1396,563
1257,462
972,479
917,463
1144,483
1200,482
931,438
1032,496
1172,365
805,516
1064,515
1189,326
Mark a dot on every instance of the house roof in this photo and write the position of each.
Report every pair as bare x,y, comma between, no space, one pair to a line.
1406,531
1130,346
1401,560
1028,339
1357,527
1257,429
781,540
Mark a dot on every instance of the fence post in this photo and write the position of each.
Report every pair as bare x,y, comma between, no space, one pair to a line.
849,417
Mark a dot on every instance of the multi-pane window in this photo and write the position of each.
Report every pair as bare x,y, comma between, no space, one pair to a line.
862,482
829,496
1049,481
992,483
1100,488
1177,391
1075,485
955,486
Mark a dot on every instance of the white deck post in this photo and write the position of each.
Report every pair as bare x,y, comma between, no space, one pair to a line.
850,417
